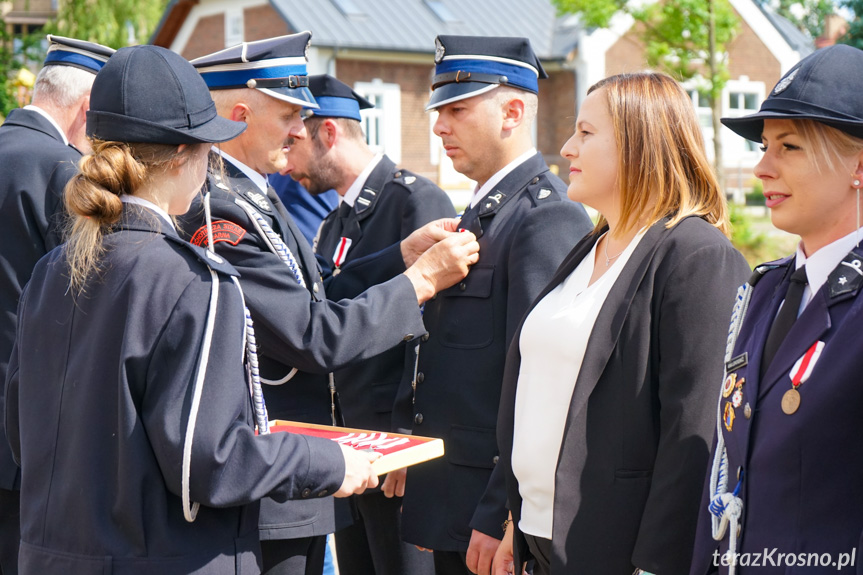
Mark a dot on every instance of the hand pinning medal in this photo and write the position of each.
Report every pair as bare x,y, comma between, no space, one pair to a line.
800,373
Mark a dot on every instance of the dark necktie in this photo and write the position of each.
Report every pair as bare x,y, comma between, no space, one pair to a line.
785,318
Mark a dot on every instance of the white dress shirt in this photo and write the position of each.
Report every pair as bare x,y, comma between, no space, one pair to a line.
552,344
257,179
354,191
127,199
48,117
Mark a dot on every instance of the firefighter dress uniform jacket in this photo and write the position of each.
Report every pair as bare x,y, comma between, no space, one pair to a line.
392,204
797,474
99,394
296,327
525,227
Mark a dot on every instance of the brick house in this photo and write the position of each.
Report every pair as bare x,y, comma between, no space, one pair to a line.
385,50
25,16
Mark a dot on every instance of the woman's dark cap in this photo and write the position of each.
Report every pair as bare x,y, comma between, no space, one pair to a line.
826,86
151,95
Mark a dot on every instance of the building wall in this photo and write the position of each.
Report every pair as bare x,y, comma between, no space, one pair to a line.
263,22
748,56
209,37
414,80
33,6
556,117
627,54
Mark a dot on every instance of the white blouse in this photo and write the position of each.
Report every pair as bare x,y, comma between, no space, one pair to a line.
552,344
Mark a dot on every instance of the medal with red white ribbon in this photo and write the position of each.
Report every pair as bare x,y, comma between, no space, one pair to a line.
800,373
341,251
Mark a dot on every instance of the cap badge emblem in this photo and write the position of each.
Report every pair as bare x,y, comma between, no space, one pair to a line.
439,51
785,82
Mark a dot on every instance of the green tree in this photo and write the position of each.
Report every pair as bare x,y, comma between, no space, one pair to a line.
25,51
854,36
114,23
685,38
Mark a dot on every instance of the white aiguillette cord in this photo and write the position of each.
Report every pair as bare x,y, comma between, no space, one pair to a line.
190,509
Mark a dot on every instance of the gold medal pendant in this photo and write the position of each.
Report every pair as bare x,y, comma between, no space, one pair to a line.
790,401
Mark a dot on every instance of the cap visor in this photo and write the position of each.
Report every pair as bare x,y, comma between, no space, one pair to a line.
454,92
119,128
299,96
751,127
217,130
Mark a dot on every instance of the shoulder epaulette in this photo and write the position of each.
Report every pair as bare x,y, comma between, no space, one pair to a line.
541,190
207,257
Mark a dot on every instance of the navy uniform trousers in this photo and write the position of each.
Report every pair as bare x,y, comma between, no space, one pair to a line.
799,474
525,227
35,165
297,327
99,394
392,204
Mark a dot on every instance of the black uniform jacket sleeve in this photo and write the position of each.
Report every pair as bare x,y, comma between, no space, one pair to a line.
298,330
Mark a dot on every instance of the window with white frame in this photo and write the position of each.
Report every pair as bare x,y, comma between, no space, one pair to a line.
383,123
233,26
741,97
702,107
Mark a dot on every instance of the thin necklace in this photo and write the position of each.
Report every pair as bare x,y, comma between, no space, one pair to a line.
608,260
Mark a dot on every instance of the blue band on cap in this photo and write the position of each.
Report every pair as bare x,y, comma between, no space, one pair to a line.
73,59
335,107
240,77
516,75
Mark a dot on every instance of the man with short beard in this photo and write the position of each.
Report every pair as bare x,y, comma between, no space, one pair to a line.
380,205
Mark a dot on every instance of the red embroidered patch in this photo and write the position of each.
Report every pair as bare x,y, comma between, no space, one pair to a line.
223,231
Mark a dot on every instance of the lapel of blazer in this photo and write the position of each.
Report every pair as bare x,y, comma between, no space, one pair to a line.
507,409
606,329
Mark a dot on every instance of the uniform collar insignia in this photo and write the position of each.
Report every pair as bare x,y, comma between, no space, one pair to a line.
259,200
491,202
364,200
848,275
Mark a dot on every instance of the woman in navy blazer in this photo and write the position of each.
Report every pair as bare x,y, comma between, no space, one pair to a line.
127,403
635,423
784,495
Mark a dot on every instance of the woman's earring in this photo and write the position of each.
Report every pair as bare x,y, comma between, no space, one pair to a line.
856,183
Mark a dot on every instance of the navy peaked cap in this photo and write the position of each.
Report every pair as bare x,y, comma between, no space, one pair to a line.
825,86
467,66
336,99
275,66
87,56
152,95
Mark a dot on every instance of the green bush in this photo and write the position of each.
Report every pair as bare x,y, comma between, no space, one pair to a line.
756,196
